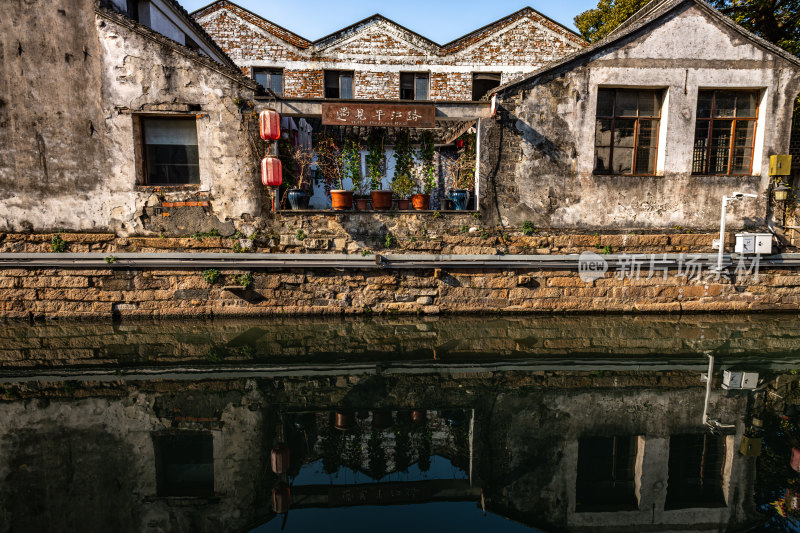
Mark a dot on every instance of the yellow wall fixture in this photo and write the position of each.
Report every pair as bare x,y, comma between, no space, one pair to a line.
780,165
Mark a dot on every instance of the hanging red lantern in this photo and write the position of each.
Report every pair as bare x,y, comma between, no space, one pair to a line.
269,125
279,459
281,498
459,143
271,171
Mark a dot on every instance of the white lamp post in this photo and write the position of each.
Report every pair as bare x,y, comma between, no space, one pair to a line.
735,197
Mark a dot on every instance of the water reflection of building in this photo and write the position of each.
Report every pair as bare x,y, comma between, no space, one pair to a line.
559,450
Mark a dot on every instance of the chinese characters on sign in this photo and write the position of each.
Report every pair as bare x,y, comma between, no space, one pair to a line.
388,115
693,267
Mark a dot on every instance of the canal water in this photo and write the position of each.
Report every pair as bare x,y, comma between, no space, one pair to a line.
570,423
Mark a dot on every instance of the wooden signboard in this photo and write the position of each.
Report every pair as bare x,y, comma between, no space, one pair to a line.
381,115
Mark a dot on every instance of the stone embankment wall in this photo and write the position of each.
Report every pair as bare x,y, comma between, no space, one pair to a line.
51,293
353,234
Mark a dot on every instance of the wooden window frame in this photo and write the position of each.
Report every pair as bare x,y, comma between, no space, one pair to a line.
416,74
280,69
141,147
636,118
339,73
734,120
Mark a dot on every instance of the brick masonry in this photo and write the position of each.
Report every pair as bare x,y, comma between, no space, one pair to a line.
377,49
51,293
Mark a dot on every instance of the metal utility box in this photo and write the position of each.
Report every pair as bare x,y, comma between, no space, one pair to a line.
739,380
750,446
753,243
780,165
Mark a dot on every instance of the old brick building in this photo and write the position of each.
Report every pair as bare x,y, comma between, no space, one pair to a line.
377,58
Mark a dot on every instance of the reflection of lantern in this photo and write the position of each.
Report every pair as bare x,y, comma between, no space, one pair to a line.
418,417
271,172
279,459
382,419
795,460
269,125
281,498
792,500
343,421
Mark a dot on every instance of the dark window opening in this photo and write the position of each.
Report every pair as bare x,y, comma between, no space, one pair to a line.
695,471
482,83
606,472
191,44
338,84
170,151
725,132
413,86
626,131
270,78
184,465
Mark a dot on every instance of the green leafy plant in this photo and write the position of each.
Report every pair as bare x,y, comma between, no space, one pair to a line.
110,259
388,240
427,174
476,215
57,244
375,158
351,159
238,248
245,280
527,228
365,252
437,214
211,275
464,228
484,234
606,250
330,161
162,235
403,183
206,234
300,235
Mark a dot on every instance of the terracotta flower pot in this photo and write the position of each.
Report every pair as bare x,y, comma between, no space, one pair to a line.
403,204
381,200
362,204
421,202
342,200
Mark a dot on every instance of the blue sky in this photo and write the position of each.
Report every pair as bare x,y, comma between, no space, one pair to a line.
440,21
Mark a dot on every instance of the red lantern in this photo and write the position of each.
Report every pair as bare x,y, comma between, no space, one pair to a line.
281,498
269,125
279,459
459,143
271,171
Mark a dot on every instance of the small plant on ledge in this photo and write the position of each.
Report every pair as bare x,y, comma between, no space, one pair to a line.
110,259
245,280
211,275
57,244
527,228
300,235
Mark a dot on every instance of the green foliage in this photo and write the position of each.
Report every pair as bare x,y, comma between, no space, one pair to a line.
375,158
205,234
464,228
476,215
527,228
596,23
388,240
606,250
300,235
484,233
110,259
351,159
57,244
211,275
777,21
437,214
403,183
245,280
365,252
426,157
238,248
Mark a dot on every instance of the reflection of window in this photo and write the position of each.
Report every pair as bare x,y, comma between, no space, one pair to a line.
270,78
626,131
482,83
695,471
184,464
413,86
170,150
725,132
606,470
338,84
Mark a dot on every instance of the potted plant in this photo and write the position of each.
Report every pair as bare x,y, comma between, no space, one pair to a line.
375,159
351,160
461,173
330,162
424,173
301,159
402,183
